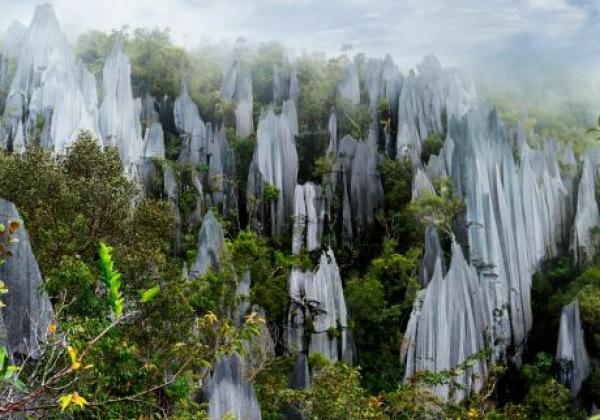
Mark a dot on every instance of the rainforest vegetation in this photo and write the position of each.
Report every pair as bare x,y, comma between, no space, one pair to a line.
142,337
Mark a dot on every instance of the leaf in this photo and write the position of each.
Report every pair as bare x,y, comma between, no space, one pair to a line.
74,398
210,318
111,279
3,361
13,226
149,294
75,363
65,401
78,399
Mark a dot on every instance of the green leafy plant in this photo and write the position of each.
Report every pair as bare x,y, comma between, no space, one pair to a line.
270,193
111,279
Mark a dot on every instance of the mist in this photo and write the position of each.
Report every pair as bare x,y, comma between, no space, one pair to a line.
540,51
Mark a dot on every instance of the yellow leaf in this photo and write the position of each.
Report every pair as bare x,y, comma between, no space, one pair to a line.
65,401
75,363
251,319
51,328
78,399
210,318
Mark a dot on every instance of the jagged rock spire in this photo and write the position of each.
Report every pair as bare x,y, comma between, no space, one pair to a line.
588,215
320,292
210,241
119,112
275,163
28,311
50,87
450,321
571,353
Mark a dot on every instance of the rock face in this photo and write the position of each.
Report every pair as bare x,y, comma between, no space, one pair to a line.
348,87
191,128
51,92
383,81
428,101
119,112
320,294
237,86
421,184
588,215
11,46
450,321
361,185
275,163
154,142
227,392
28,311
433,254
309,213
210,241
571,353
221,171
516,216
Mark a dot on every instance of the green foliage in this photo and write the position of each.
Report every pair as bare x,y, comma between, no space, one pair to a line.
269,270
270,193
431,146
157,64
111,279
69,205
396,179
335,393
148,295
379,302
439,210
74,283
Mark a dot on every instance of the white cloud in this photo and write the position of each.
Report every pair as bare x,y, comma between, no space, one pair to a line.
456,30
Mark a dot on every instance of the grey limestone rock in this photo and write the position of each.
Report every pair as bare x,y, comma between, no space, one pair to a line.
571,353
321,294
28,311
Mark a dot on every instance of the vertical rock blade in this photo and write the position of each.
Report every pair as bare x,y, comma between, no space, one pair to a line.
28,311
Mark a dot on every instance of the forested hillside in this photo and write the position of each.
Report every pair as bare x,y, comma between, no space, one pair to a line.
244,233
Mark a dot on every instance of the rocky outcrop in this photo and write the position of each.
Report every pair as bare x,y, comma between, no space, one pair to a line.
154,142
228,393
587,217
348,87
309,214
237,86
362,192
274,164
11,47
221,171
432,255
450,321
421,183
318,298
571,353
515,219
428,101
119,111
226,390
191,128
383,82
28,311
51,91
210,243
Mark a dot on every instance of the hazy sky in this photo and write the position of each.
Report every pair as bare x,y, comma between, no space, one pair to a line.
561,33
